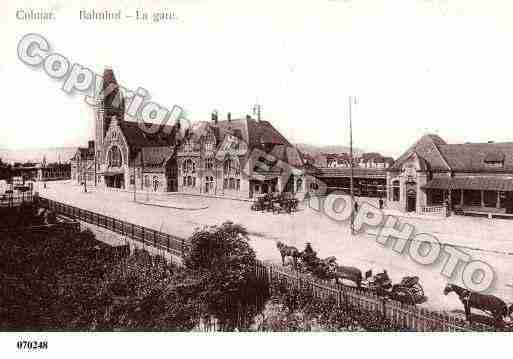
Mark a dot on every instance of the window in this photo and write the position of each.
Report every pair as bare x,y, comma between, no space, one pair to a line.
132,179
189,166
209,163
114,158
146,181
314,186
231,167
494,164
299,185
188,146
396,191
238,185
155,183
209,184
210,142
490,198
225,183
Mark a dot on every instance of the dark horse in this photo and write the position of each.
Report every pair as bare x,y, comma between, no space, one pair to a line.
485,302
288,251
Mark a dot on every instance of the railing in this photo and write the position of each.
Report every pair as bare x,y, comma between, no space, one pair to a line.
147,236
415,318
433,210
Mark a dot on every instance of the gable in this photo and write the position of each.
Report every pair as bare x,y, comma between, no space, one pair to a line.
426,148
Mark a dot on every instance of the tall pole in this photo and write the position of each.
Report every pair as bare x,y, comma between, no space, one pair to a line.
85,176
352,163
135,183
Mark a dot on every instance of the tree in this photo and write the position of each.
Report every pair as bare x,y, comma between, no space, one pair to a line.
225,263
5,170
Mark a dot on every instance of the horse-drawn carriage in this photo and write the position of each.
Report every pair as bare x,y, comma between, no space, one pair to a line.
409,290
276,202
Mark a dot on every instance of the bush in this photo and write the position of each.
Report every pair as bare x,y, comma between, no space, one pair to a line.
225,263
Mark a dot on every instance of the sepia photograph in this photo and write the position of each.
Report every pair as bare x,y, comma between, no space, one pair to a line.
217,173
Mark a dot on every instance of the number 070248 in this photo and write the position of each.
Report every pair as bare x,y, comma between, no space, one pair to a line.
31,345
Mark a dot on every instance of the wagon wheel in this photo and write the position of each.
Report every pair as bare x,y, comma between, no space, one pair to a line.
403,294
418,291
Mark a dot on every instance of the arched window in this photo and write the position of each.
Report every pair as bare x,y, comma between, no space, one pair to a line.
155,183
189,166
209,184
396,191
231,167
299,185
115,159
209,163
210,142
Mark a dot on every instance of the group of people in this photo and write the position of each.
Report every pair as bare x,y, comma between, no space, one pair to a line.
381,204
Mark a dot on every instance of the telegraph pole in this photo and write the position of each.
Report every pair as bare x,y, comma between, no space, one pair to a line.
352,163
85,176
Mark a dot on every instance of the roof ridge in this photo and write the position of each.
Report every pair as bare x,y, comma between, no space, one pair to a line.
442,156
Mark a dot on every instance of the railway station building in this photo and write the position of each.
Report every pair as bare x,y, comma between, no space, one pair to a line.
433,176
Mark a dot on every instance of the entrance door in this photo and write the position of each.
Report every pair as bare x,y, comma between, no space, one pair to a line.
411,201
172,175
509,202
209,184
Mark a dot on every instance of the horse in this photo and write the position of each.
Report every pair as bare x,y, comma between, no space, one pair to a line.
350,273
485,302
288,251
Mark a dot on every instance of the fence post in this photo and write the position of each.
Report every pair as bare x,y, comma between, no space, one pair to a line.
168,243
270,280
384,301
155,239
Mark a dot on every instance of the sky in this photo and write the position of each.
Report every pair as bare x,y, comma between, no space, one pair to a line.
437,66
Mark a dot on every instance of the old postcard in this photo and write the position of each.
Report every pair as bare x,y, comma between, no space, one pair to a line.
171,167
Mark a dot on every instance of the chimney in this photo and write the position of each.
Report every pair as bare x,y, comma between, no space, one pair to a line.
214,117
229,116
490,142
90,145
248,117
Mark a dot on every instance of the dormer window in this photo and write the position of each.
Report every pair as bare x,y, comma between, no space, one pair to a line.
494,160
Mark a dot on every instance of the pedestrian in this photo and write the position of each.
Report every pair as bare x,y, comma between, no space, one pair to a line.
355,207
380,203
447,208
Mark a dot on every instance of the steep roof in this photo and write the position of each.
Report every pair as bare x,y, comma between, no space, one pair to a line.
473,157
136,137
256,134
427,148
153,156
288,154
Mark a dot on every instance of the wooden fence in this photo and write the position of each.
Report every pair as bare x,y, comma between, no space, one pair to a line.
409,316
